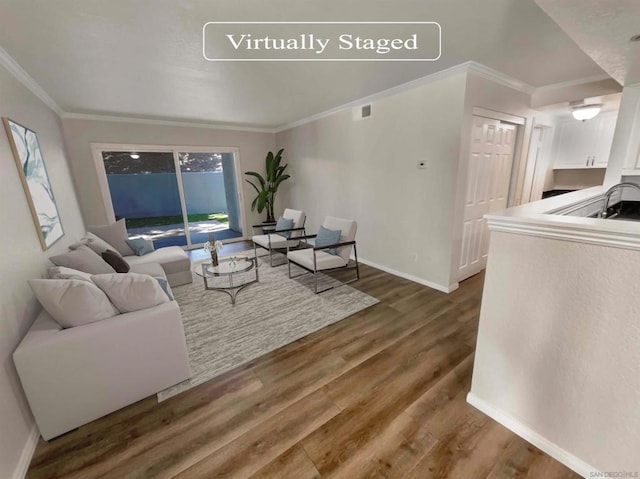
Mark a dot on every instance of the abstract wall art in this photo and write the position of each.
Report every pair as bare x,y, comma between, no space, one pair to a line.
35,181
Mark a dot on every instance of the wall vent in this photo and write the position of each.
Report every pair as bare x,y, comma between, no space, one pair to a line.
361,112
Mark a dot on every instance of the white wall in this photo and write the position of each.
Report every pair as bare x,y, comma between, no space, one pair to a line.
557,350
366,170
625,153
21,256
577,179
79,134
562,94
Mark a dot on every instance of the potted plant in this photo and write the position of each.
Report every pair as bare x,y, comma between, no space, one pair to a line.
268,185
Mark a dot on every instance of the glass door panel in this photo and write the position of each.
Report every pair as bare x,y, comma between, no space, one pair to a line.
144,190
210,196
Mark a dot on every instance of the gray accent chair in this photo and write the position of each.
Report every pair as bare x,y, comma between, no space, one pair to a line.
314,259
272,240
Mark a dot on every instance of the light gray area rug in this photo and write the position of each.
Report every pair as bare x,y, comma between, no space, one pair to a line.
267,315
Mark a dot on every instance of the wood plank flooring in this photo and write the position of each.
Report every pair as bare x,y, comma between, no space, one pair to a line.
380,394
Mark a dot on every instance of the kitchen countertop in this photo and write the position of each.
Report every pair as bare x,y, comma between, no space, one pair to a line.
535,219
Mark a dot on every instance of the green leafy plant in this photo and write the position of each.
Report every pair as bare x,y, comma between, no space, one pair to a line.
268,186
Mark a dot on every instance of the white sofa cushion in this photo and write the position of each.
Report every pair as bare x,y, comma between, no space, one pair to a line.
155,270
277,241
173,259
92,241
84,259
62,272
97,244
131,291
152,269
304,257
72,302
114,234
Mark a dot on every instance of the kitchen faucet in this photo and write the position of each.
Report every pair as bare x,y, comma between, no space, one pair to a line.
610,192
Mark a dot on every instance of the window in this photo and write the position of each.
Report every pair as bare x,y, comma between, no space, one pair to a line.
176,196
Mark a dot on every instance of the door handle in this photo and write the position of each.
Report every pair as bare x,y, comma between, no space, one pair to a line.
593,160
588,160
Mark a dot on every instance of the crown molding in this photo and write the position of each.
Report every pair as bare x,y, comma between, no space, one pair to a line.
23,77
440,75
570,83
150,121
499,77
479,69
467,67
12,66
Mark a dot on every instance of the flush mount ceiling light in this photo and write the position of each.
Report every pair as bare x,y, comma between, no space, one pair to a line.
135,156
586,112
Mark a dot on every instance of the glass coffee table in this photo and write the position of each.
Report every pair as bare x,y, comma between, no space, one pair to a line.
231,275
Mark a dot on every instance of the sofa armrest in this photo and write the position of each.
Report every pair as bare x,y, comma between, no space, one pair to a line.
73,376
47,333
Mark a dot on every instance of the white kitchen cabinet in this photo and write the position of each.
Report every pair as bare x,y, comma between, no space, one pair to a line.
585,144
604,139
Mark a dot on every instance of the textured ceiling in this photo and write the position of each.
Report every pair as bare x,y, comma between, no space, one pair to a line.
144,58
602,28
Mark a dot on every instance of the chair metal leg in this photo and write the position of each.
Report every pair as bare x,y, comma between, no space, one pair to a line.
355,253
357,267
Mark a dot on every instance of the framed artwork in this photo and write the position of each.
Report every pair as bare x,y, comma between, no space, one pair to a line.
35,181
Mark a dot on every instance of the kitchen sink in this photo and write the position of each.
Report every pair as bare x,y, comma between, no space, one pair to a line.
623,210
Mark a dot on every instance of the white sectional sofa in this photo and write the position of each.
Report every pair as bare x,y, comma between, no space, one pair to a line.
173,259
75,374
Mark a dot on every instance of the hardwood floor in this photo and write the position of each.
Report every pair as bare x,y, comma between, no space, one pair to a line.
379,394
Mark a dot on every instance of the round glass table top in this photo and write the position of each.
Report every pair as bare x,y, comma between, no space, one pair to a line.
227,266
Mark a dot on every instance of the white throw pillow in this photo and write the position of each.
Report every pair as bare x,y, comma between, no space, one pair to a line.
62,272
98,245
131,291
72,302
115,235
84,259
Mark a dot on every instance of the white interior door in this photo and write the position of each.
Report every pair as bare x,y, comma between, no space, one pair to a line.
536,164
541,165
489,171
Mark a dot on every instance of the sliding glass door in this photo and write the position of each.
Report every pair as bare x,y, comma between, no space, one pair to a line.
211,195
174,197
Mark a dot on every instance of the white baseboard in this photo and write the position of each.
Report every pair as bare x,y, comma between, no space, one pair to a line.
27,453
526,433
415,279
